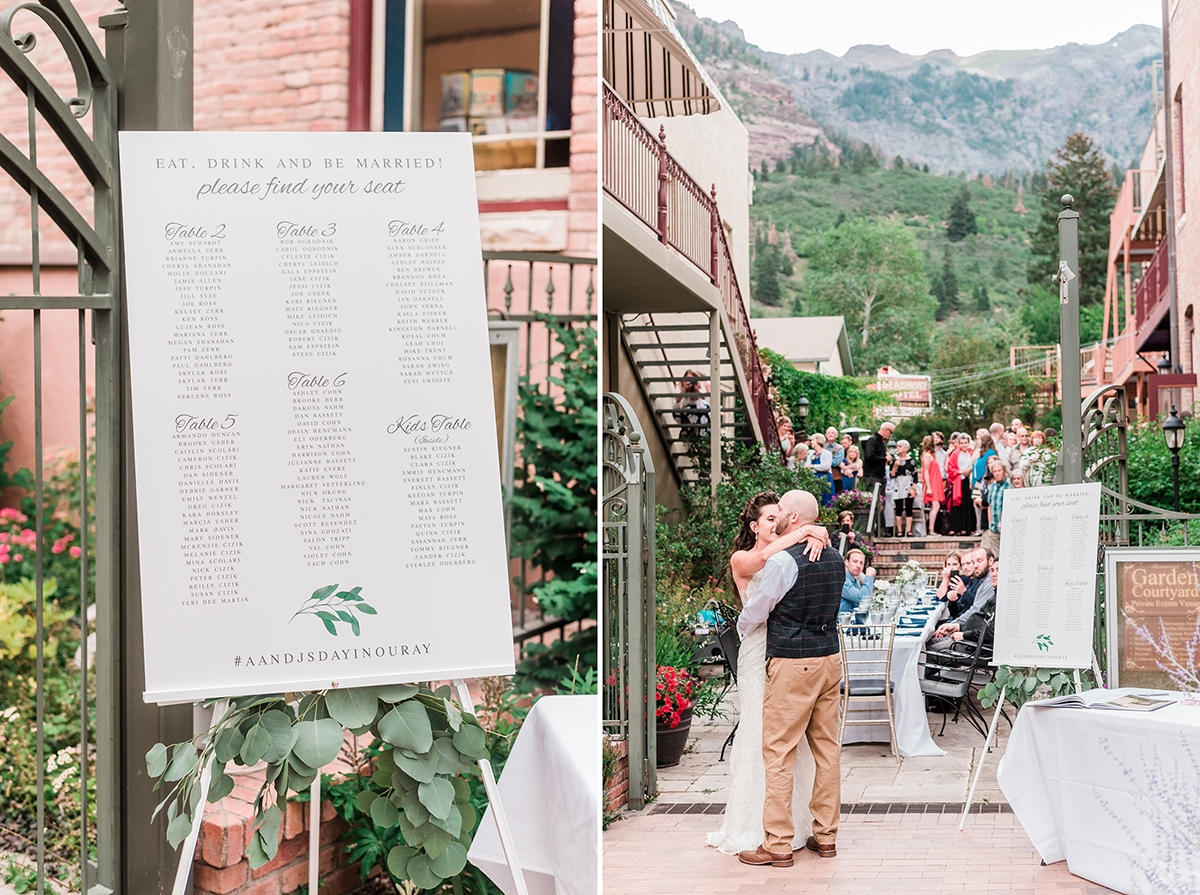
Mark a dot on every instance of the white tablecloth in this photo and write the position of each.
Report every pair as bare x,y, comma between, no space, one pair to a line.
1114,794
908,705
551,794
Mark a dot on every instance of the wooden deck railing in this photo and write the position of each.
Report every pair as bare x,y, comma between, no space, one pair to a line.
649,182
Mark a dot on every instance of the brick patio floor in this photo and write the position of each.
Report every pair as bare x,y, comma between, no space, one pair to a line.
661,849
923,854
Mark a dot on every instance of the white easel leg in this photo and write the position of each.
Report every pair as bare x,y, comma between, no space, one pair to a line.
979,768
314,835
188,852
1096,671
493,794
1078,682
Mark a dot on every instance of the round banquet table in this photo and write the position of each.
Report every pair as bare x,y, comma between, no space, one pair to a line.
551,794
1116,794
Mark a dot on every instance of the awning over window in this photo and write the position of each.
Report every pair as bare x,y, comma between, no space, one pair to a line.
649,65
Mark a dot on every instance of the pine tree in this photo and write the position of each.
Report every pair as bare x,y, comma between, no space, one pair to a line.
925,168
898,163
999,269
841,219
948,294
780,165
960,223
765,281
766,171
982,300
858,164
1077,168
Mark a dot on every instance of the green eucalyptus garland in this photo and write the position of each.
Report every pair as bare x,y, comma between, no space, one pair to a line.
434,747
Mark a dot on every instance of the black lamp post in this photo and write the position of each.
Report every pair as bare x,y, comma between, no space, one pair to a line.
802,413
1175,432
1164,365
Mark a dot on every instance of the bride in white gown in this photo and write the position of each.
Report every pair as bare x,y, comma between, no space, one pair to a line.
742,826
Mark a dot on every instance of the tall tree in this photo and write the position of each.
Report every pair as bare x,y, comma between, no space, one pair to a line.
764,281
872,273
945,287
960,223
971,377
1077,168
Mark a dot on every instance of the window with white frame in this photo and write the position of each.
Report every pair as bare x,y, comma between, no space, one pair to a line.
498,69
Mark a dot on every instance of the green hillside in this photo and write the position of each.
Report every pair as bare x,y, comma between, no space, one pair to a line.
995,258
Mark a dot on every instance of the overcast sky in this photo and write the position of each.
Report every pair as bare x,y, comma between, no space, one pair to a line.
918,26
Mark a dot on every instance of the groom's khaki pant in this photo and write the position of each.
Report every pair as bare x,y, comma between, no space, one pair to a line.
801,700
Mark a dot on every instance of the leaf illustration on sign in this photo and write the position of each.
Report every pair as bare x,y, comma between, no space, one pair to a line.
334,607
1044,642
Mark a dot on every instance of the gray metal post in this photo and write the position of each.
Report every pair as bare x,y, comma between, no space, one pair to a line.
1068,285
149,46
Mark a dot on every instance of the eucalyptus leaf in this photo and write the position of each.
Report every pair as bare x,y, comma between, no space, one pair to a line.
453,715
354,626
397,860
220,787
382,778
364,800
385,762
272,819
438,796
421,874
384,813
255,853
344,616
402,782
407,727
416,813
183,760
178,830
365,608
353,706
436,840
1030,684
300,767
414,834
318,742
172,811
283,781
469,818
444,691
450,862
156,760
301,782
398,692
283,735
462,789
193,795
452,823
229,744
421,769
449,761
471,741
258,741
1043,675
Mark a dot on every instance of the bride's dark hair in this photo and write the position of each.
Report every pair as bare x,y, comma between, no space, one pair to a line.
750,513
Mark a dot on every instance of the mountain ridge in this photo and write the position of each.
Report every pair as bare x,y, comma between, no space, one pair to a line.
991,112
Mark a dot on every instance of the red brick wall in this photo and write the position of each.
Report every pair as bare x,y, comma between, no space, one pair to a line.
221,867
616,792
583,222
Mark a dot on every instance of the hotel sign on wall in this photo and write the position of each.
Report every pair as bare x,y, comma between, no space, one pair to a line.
319,501
1153,606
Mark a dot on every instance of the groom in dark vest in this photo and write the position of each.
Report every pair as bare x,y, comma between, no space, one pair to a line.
799,601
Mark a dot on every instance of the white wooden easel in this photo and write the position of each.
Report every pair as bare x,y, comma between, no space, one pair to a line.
987,743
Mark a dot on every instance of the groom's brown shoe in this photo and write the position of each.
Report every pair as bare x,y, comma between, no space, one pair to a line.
825,851
761,857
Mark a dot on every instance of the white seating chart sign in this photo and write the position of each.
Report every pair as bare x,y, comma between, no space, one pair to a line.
1046,599
319,499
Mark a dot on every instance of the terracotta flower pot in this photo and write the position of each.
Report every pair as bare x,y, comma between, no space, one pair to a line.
673,740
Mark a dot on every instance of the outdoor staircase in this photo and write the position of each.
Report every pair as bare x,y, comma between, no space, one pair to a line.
929,552
662,347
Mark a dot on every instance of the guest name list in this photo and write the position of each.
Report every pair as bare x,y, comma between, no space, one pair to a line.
308,339
1046,599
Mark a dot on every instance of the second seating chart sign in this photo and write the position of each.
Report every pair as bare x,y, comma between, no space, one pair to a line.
1046,599
319,498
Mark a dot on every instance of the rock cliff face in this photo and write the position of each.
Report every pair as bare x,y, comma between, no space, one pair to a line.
997,111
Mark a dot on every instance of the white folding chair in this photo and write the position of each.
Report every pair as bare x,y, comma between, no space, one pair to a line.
866,677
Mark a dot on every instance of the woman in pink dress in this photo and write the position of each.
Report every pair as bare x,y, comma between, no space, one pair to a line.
933,486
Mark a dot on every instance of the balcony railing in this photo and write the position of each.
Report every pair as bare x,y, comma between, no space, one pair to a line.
650,183
1151,287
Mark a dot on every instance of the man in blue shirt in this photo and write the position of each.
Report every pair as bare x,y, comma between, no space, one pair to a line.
858,586
995,495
